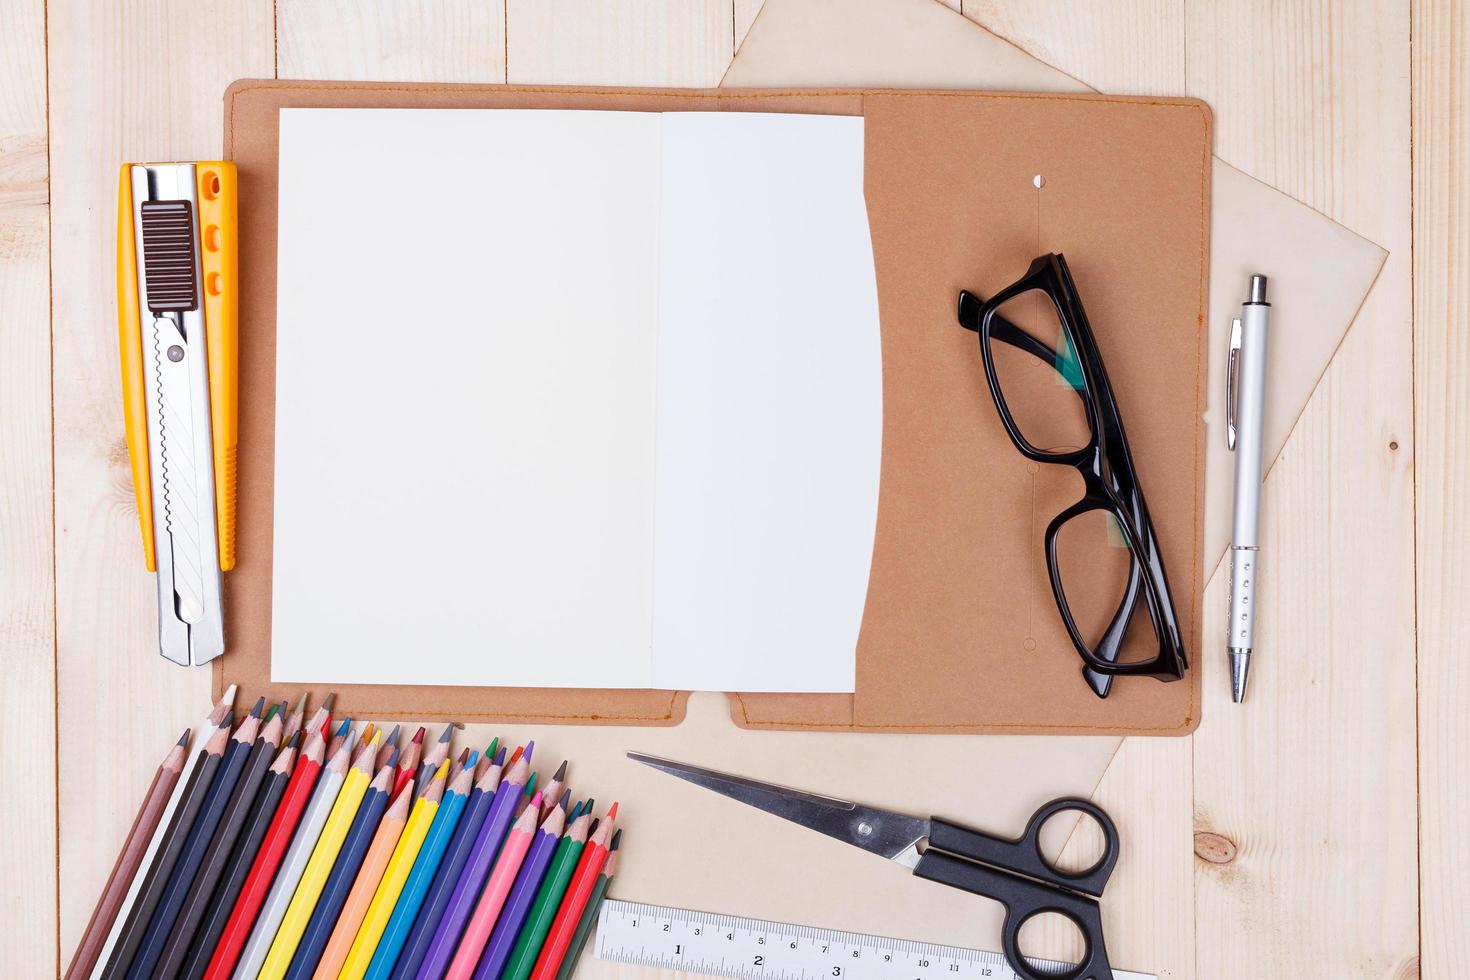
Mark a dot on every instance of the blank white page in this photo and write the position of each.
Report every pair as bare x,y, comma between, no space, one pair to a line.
770,403
465,353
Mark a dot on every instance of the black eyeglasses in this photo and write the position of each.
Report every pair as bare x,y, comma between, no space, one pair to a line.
1057,406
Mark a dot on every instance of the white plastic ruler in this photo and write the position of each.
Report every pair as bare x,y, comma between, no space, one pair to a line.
730,946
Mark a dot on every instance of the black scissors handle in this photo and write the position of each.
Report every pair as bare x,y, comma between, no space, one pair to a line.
1017,874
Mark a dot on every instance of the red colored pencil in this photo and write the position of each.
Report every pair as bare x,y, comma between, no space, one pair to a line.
408,762
584,880
268,859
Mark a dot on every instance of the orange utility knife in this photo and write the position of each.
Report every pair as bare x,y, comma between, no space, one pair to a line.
178,303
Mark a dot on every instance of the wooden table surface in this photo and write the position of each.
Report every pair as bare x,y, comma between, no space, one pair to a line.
1330,818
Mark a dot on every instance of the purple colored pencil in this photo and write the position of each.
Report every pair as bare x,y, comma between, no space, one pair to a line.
517,906
476,869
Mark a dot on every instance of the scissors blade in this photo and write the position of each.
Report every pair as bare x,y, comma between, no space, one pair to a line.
895,836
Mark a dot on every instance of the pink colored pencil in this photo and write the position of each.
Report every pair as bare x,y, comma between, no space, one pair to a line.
482,922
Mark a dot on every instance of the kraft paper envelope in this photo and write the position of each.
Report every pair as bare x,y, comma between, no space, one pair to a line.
1320,271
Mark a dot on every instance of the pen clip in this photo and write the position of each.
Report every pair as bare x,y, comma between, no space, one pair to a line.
1232,372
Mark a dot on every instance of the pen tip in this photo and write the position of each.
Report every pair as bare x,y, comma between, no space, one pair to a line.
1240,666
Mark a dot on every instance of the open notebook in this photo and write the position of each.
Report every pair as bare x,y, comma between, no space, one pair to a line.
574,399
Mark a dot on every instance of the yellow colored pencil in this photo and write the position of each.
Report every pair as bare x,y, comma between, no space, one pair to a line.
394,877
364,885
319,865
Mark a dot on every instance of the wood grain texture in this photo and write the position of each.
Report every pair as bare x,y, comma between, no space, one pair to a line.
136,81
27,598
1313,780
387,40
1135,47
1441,81
619,42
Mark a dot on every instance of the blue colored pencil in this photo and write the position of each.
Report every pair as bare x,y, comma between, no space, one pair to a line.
475,811
419,878
344,872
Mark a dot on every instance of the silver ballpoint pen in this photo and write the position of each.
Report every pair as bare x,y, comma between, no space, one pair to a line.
1245,405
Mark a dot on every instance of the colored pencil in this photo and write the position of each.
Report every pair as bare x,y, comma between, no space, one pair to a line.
192,757
365,886
477,932
420,878
434,755
578,892
552,793
319,864
262,811
131,937
522,894
408,762
242,742
548,899
293,865
462,762
339,881
335,743
294,720
395,876
477,867
198,898
589,914
476,809
272,849
390,745
129,859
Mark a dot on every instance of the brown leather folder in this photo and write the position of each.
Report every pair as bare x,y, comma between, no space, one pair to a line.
960,632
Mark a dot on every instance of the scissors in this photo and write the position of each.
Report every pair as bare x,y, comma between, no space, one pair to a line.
1012,872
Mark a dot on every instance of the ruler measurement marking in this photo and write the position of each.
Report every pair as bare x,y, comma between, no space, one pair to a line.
758,949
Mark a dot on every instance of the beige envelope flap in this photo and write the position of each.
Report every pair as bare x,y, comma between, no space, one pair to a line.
1320,270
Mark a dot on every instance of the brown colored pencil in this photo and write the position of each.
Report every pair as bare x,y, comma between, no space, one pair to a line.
128,860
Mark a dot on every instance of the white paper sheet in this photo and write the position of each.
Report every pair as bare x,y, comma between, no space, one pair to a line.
512,344
769,430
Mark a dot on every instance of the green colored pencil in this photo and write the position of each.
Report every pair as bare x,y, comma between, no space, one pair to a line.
548,899
589,913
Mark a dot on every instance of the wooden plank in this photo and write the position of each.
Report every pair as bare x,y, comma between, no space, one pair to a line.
1126,48
1441,79
27,594
128,81
619,42
1305,796
386,40
1134,47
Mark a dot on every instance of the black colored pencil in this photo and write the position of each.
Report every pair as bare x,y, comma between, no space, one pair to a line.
241,859
217,854
172,901
141,913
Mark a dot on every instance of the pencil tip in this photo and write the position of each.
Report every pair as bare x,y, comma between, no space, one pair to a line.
229,695
566,798
184,738
561,771
530,747
616,840
590,804
301,704
448,730
330,702
418,736
345,727
493,747
294,740
612,814
393,735
259,707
